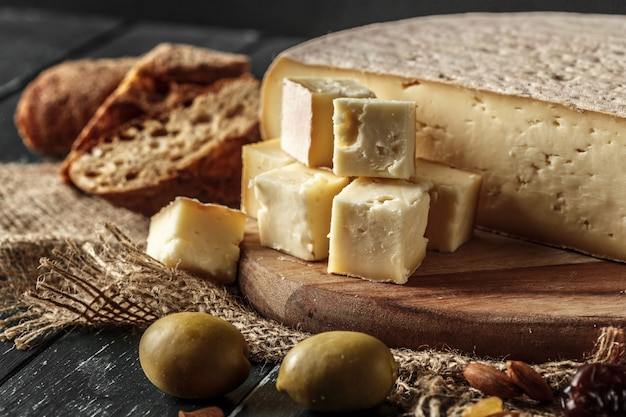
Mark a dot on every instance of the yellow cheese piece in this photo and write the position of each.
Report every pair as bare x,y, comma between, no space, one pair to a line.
377,229
453,204
527,99
374,138
257,158
296,202
307,116
197,237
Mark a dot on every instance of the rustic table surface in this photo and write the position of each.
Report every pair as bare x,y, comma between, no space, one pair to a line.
97,373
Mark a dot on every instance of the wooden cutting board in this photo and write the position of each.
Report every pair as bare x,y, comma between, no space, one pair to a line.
496,296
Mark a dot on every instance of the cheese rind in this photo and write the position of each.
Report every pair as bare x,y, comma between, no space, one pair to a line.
295,209
453,204
200,238
306,116
377,229
374,138
547,133
257,158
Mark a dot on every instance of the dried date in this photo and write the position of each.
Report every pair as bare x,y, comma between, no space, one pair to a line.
597,390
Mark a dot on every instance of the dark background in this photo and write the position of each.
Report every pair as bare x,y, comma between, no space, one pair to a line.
303,17
88,373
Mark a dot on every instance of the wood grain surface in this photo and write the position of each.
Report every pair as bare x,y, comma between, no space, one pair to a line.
496,296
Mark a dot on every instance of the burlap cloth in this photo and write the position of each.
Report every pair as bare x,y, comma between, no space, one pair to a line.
70,260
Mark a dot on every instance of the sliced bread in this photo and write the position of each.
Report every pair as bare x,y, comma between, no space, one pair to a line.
165,76
193,150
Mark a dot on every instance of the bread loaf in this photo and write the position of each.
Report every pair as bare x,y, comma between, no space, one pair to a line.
59,102
165,76
192,150
534,101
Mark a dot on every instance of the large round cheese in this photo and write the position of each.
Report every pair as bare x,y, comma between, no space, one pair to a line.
534,101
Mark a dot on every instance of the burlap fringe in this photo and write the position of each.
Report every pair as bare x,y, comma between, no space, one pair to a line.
113,281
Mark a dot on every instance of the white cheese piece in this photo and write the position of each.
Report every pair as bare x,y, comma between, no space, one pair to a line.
257,158
306,116
453,204
377,229
296,202
543,117
549,174
374,138
200,238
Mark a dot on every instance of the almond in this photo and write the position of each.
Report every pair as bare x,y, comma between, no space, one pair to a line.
529,381
490,381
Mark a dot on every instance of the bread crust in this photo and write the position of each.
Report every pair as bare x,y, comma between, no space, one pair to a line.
165,76
59,102
200,151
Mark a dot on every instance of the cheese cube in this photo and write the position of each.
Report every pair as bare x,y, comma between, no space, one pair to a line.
295,209
453,204
377,229
374,138
257,158
200,238
307,112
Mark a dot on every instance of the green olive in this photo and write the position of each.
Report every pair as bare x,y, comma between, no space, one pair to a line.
338,371
194,355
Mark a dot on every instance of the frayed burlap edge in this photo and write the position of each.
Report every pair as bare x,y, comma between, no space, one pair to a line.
113,281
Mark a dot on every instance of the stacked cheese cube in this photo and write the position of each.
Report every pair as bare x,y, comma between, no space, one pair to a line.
341,183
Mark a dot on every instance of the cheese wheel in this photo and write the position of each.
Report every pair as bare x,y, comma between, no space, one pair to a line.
536,102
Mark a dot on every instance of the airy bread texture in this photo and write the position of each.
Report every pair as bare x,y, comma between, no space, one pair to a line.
165,76
192,150
59,102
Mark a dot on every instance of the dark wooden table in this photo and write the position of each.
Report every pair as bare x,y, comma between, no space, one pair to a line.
97,373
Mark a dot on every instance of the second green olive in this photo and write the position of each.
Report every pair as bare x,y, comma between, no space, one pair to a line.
338,371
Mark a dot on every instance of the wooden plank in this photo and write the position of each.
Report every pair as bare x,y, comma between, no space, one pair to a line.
142,36
31,40
12,360
87,373
496,296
